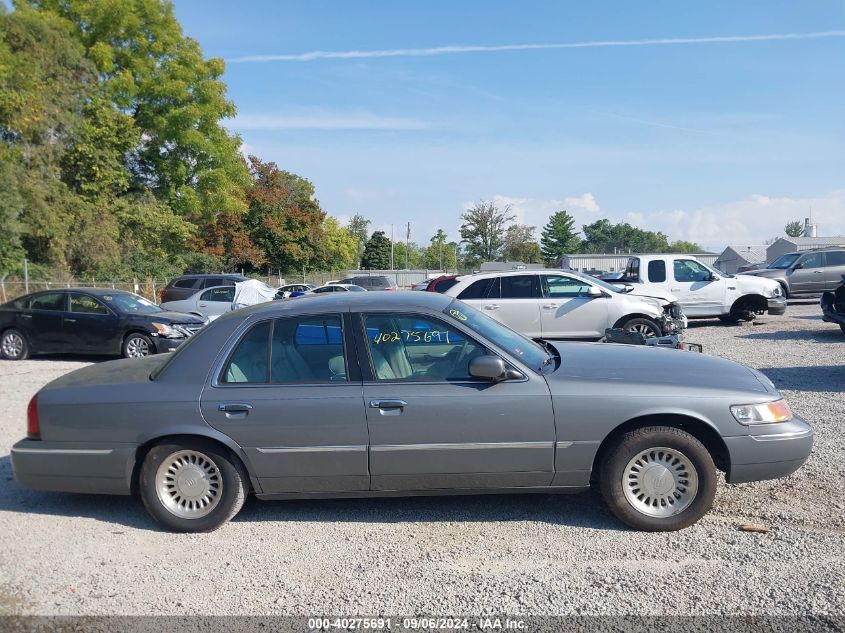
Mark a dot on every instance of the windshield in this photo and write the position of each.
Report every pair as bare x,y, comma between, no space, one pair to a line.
132,303
594,280
526,350
784,261
714,271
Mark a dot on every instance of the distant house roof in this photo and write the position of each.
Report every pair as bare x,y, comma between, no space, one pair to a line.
499,266
753,254
815,242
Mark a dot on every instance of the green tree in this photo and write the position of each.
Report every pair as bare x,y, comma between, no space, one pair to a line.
284,218
521,245
682,246
376,252
604,237
359,227
340,248
483,230
408,255
559,237
794,228
440,254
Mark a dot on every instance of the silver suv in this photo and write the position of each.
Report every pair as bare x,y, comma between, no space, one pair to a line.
806,272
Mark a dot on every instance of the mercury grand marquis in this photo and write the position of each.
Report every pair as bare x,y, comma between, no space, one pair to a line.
377,394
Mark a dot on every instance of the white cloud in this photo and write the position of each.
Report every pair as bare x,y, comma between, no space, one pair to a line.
464,48
246,149
585,202
753,219
324,121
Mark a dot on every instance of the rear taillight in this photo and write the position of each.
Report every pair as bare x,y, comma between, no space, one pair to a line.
389,288
33,429
161,295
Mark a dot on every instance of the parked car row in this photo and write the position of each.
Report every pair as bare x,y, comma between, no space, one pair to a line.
805,273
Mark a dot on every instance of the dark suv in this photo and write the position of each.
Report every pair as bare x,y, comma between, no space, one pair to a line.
184,286
806,272
371,282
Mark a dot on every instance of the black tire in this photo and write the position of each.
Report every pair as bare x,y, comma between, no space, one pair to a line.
13,345
729,318
137,345
842,327
644,326
626,448
232,484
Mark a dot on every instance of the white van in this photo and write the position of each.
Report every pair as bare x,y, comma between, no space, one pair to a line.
703,291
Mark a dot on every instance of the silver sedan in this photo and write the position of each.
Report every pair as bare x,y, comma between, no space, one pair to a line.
210,303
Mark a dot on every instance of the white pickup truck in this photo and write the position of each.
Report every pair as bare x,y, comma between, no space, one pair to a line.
703,291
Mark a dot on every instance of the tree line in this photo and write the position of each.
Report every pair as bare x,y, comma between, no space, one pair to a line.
115,162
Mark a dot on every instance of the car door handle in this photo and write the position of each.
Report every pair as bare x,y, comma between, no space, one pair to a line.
493,306
26,316
234,407
551,306
388,404
817,272
202,305
67,320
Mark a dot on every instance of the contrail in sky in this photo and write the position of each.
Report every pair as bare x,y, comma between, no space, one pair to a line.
454,50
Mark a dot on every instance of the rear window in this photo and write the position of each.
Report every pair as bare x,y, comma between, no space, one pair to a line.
443,286
477,289
836,258
657,271
184,283
519,287
54,301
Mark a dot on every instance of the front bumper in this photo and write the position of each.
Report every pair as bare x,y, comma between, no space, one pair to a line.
74,467
769,451
776,305
163,344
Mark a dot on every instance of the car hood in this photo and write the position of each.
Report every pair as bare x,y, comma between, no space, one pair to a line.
758,281
650,368
641,290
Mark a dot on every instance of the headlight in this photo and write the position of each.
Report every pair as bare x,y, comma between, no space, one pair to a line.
776,292
764,413
167,331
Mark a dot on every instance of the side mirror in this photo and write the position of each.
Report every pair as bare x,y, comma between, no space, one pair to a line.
595,291
489,367
713,277
798,266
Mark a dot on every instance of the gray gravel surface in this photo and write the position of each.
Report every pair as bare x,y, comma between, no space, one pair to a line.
543,554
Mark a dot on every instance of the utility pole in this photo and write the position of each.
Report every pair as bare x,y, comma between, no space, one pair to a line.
407,245
391,247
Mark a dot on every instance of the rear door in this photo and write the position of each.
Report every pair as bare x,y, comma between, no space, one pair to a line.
43,322
808,274
515,301
216,301
834,269
567,311
433,426
89,325
290,394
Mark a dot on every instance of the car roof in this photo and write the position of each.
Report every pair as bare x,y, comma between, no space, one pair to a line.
346,302
97,292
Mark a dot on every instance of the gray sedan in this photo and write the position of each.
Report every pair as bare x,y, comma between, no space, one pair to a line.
378,394
211,302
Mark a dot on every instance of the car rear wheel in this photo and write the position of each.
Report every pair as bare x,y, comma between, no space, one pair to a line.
137,345
13,345
658,479
646,327
192,487
842,327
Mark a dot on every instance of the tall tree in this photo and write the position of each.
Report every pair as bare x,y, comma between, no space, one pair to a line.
602,236
359,228
440,254
284,217
559,237
340,248
794,228
377,252
521,245
483,230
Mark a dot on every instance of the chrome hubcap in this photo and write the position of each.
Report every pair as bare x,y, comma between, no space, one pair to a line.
189,484
12,345
137,347
642,328
660,482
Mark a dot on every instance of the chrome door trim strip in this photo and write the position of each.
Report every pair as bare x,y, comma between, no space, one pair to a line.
460,446
563,444
65,451
311,449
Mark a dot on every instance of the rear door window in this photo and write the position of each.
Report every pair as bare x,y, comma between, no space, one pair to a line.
657,271
216,281
478,289
184,283
223,294
836,258
520,287
308,349
52,301
248,363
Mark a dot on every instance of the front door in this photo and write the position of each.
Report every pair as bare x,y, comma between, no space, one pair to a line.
216,301
43,322
515,301
90,326
568,311
289,397
808,274
433,426
698,292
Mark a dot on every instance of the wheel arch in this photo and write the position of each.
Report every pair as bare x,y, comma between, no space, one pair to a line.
186,436
758,302
703,431
635,315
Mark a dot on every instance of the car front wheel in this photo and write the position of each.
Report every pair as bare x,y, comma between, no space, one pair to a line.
195,487
658,479
13,345
137,345
646,327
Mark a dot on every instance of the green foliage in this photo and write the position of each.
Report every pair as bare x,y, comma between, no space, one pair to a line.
483,230
359,227
339,249
682,246
376,252
521,245
440,255
559,237
604,237
794,228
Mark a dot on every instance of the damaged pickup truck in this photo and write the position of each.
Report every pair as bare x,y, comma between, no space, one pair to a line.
833,306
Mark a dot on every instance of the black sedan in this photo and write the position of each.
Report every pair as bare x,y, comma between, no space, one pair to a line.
90,321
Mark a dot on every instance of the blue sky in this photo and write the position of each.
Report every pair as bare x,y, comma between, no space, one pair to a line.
715,141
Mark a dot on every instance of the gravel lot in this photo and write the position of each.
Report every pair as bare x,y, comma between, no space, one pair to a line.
543,554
